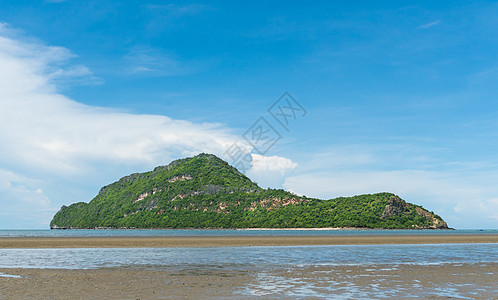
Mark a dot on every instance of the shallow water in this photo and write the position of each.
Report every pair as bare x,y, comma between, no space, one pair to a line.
9,275
249,257
343,271
461,281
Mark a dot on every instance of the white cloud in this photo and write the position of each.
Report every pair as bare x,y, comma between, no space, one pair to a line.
466,200
44,134
270,171
173,10
340,157
25,189
75,75
151,61
261,163
429,25
334,184
22,201
43,129
46,64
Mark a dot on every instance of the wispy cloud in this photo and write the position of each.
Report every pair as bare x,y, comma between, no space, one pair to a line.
49,60
22,199
166,16
174,10
155,62
75,75
429,25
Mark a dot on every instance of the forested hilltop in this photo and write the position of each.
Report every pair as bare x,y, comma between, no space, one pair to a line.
206,192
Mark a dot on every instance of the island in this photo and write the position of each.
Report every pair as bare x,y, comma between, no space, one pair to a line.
204,191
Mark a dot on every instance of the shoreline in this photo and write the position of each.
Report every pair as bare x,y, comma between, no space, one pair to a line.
338,228
235,241
250,228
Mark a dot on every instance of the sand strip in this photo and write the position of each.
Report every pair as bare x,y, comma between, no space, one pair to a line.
236,241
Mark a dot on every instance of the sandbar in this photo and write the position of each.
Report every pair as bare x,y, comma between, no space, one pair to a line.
237,241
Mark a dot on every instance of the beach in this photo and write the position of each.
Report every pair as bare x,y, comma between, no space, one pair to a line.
236,241
476,281
440,265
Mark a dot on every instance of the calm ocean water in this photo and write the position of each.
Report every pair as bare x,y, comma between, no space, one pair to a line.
263,261
227,232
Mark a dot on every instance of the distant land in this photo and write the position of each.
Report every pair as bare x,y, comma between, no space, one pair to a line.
206,192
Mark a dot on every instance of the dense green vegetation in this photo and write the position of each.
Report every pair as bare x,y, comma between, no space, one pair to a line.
206,192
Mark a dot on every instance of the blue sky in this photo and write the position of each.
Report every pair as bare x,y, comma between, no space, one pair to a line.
400,97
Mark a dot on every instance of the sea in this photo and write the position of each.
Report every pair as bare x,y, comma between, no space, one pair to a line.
268,262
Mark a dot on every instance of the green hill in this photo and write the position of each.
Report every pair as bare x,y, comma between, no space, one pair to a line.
206,192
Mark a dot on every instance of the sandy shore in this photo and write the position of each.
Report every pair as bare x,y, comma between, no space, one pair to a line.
475,281
236,241
119,283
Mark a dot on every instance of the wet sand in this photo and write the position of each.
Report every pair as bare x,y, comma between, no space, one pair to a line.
446,281
119,283
236,241
476,281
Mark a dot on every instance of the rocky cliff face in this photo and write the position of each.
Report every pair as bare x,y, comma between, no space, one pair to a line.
397,207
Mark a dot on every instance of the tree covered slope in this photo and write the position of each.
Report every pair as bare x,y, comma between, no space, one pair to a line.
206,192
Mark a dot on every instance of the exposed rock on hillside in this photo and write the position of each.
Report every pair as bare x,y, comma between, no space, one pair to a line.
206,192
